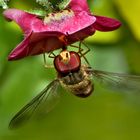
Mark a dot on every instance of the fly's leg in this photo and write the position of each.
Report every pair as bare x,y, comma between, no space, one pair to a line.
88,49
51,55
79,49
81,53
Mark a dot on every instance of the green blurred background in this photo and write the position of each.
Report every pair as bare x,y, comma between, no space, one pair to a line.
105,115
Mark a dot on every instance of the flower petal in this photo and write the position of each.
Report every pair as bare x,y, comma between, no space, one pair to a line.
80,35
77,22
106,24
20,51
79,5
23,19
37,43
29,22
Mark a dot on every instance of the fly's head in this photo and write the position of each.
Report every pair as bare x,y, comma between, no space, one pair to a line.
67,62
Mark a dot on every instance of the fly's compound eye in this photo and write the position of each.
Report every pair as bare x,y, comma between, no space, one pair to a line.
67,62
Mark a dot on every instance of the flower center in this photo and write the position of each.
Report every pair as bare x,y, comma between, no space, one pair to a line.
59,16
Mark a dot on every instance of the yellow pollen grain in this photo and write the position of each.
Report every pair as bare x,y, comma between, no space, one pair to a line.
52,17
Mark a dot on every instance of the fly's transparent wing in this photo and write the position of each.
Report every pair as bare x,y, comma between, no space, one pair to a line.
117,81
39,105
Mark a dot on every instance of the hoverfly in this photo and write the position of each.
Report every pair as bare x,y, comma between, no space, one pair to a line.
75,77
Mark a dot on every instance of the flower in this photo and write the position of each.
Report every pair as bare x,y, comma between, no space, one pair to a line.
57,29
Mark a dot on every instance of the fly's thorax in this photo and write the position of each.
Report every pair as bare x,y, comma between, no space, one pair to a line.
76,77
79,83
73,78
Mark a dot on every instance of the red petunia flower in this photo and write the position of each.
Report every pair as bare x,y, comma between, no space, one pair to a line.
57,29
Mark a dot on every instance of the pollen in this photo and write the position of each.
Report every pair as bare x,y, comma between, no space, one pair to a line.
59,16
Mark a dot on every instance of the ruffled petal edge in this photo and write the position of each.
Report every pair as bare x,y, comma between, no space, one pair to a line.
106,24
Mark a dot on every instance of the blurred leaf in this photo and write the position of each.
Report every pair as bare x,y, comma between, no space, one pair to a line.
63,4
53,5
38,12
130,11
103,8
43,2
105,37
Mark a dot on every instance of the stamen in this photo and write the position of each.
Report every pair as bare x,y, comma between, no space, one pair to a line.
53,17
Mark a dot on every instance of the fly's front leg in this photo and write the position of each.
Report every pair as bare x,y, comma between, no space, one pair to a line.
51,55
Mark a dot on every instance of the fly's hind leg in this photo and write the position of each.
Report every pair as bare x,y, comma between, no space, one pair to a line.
82,54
